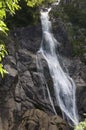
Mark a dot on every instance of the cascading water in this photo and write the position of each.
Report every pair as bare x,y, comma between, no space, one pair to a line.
64,86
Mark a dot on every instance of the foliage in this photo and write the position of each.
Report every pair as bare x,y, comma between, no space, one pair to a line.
81,126
33,3
76,14
3,52
28,14
5,6
25,16
73,16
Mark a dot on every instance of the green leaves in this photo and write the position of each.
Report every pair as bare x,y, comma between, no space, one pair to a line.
5,6
12,5
2,13
2,70
32,3
81,126
3,52
3,27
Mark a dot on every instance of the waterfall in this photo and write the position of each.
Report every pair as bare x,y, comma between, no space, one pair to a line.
63,85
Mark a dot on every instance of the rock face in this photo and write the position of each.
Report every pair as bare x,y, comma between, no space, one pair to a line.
38,120
21,91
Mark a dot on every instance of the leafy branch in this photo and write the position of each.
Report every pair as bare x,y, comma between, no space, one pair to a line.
5,6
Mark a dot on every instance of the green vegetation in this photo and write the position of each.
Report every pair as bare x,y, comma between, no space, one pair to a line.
73,16
76,12
3,52
28,14
33,3
81,126
5,6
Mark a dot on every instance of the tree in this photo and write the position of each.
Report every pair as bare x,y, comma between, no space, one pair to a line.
5,6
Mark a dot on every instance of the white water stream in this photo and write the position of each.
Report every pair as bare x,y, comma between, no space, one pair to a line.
64,86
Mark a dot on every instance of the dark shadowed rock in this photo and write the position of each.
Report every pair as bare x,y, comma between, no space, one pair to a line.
36,119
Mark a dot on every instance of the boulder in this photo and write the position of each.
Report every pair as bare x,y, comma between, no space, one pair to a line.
36,119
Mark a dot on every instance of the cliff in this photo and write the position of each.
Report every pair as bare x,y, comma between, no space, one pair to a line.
20,91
